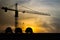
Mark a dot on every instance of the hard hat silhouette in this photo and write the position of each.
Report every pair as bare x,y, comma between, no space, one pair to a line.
8,30
29,30
18,30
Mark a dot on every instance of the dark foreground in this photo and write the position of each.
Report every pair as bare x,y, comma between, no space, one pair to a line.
23,36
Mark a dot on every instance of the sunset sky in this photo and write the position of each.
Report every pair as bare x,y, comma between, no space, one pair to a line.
39,23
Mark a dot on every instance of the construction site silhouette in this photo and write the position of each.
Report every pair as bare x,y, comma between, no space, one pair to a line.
18,35
18,30
8,30
29,30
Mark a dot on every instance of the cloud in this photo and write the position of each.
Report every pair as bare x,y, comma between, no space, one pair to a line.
56,22
8,17
50,6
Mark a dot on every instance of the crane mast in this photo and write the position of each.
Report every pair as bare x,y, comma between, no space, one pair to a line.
16,13
16,16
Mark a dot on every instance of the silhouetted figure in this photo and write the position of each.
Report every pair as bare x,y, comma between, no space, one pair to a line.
8,30
29,30
18,30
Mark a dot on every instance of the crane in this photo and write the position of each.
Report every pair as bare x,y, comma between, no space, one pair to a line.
23,11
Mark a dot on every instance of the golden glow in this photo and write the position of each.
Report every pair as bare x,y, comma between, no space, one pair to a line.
31,23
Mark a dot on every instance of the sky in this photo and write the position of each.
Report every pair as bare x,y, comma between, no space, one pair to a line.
39,23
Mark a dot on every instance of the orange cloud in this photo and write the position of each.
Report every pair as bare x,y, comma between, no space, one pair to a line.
31,23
